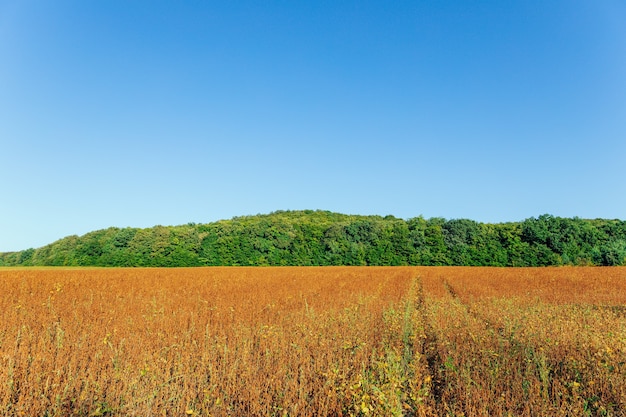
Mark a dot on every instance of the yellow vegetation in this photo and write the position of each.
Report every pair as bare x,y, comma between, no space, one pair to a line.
314,341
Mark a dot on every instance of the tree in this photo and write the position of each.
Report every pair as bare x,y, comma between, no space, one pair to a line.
326,238
613,253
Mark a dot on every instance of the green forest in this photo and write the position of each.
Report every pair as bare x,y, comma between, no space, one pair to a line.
324,238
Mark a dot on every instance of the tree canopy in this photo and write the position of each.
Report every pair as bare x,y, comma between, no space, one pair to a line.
324,238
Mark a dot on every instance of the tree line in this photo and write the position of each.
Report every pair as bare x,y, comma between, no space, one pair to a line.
325,238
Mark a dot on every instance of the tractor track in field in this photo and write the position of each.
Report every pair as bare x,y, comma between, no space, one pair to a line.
430,350
472,312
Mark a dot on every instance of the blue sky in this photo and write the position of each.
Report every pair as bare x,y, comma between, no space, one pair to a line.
138,113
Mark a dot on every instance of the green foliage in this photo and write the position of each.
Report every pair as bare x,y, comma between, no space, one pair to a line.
613,253
325,238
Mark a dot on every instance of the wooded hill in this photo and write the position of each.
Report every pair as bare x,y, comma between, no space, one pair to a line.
325,238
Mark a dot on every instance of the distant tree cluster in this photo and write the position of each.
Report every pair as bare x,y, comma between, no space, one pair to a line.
326,238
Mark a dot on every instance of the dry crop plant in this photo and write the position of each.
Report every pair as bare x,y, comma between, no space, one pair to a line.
211,341
526,342
313,342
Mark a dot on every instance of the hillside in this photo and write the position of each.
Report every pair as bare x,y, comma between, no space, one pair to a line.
325,238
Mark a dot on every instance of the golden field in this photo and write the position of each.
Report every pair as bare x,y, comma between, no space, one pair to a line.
313,341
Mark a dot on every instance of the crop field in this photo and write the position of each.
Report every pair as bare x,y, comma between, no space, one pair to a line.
313,341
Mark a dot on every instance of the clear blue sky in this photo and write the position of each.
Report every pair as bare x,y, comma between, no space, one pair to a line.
138,113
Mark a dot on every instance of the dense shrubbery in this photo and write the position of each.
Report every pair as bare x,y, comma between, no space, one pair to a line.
325,238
